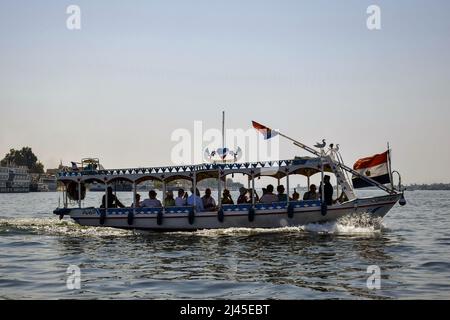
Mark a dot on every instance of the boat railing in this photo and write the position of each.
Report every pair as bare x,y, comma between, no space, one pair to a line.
226,208
236,207
150,210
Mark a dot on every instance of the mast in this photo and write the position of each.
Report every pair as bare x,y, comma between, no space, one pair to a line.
223,131
223,148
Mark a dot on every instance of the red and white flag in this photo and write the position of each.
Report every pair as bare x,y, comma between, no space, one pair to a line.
374,167
267,132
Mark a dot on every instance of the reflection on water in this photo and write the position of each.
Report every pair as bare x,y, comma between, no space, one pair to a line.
310,262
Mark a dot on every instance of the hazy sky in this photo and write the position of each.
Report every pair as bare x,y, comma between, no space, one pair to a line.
138,70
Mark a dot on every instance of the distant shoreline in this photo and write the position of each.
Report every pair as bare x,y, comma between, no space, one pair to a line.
429,187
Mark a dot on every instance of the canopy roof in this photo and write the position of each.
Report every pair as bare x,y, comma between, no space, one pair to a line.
305,166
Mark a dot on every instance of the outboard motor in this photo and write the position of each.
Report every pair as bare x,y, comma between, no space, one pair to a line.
402,200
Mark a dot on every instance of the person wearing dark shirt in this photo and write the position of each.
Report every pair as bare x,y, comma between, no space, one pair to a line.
282,197
243,199
113,202
311,194
328,190
226,198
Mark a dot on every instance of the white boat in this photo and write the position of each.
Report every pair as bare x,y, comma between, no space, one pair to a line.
249,215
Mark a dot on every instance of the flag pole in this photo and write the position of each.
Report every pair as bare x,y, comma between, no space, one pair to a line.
389,165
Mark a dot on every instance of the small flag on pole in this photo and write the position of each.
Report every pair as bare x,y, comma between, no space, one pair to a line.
267,132
375,167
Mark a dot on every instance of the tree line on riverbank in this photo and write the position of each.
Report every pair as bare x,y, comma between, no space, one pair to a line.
24,157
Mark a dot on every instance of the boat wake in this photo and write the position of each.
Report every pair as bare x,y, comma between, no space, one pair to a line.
56,227
361,224
349,225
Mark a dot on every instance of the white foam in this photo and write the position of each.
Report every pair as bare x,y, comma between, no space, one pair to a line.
239,231
352,224
55,226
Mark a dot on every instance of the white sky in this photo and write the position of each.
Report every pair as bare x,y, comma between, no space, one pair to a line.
138,70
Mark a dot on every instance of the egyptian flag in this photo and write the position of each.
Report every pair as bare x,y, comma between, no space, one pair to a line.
267,132
375,167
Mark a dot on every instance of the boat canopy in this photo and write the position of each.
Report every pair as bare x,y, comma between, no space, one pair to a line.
305,166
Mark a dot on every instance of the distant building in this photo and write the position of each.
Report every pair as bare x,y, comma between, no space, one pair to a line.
14,179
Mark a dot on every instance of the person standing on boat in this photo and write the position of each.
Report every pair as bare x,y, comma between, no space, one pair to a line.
113,202
180,201
269,196
328,190
195,200
151,202
209,203
295,195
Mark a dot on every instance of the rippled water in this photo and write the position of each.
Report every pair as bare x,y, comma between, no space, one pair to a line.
411,246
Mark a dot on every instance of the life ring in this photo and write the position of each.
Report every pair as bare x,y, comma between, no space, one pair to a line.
290,210
102,216
191,217
159,218
323,209
220,215
130,218
251,214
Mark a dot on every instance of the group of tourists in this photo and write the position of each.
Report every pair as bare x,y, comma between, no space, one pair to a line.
208,203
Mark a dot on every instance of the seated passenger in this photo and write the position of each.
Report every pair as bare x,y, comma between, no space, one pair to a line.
169,201
209,203
282,197
295,195
180,201
269,196
113,202
195,200
151,202
311,194
255,195
243,199
137,201
226,197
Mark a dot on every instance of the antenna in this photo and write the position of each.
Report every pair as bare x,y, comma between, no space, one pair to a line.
223,130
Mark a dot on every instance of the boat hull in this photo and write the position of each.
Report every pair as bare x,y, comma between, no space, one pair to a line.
262,216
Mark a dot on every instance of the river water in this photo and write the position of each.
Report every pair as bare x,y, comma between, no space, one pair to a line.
411,248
